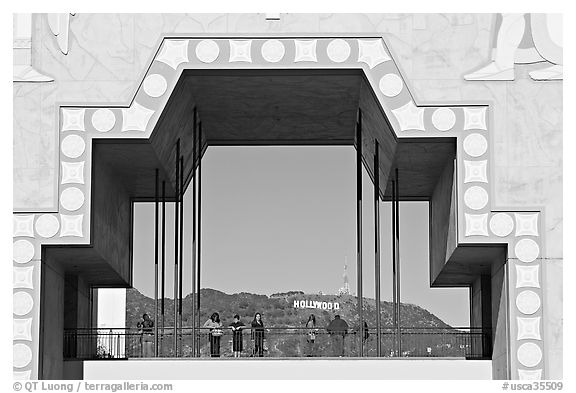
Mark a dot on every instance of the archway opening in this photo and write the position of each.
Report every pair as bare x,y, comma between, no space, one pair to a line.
287,108
278,228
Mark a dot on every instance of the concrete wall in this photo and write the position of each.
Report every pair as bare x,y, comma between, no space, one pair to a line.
442,221
553,315
80,304
274,369
108,53
77,303
73,369
488,309
476,303
111,221
481,307
51,321
499,308
67,302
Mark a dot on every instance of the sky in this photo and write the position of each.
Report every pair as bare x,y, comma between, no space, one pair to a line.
276,219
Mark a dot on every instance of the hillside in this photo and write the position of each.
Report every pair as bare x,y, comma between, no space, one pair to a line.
277,310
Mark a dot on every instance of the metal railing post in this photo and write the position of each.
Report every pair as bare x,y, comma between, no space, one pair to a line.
359,232
394,292
163,265
199,235
193,279
156,208
176,249
181,261
377,247
397,193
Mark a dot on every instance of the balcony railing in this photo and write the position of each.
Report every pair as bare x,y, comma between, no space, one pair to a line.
278,342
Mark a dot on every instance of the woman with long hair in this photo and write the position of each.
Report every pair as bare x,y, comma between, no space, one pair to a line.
311,332
214,335
257,335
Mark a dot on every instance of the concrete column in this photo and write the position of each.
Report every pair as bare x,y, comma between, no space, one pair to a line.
51,362
67,303
500,339
481,311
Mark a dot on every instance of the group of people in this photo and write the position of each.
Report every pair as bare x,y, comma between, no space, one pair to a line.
256,335
146,325
337,329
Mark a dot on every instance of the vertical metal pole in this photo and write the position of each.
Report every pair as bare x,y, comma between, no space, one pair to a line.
398,264
199,236
394,300
181,262
359,231
194,235
156,208
176,238
377,247
163,266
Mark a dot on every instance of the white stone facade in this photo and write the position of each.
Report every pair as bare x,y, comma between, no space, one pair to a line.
114,80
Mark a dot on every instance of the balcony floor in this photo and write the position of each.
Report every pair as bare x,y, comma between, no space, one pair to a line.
289,368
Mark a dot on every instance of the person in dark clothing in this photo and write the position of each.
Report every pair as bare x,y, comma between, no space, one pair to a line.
366,333
237,327
257,335
338,328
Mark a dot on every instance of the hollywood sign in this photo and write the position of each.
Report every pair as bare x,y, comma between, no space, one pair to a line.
316,304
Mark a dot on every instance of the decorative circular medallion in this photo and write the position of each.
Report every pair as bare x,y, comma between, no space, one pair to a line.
528,302
475,145
529,354
73,146
338,50
501,224
527,250
155,85
47,225
103,120
443,119
207,51
22,355
273,51
476,198
22,251
391,85
22,303
72,198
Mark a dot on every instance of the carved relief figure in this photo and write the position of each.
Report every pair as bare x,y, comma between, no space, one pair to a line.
22,50
524,39
60,26
24,71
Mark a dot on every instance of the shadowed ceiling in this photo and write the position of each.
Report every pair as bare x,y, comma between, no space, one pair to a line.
249,107
310,107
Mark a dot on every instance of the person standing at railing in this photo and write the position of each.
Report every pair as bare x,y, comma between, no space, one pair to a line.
237,343
366,333
311,333
257,335
145,328
215,333
338,328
